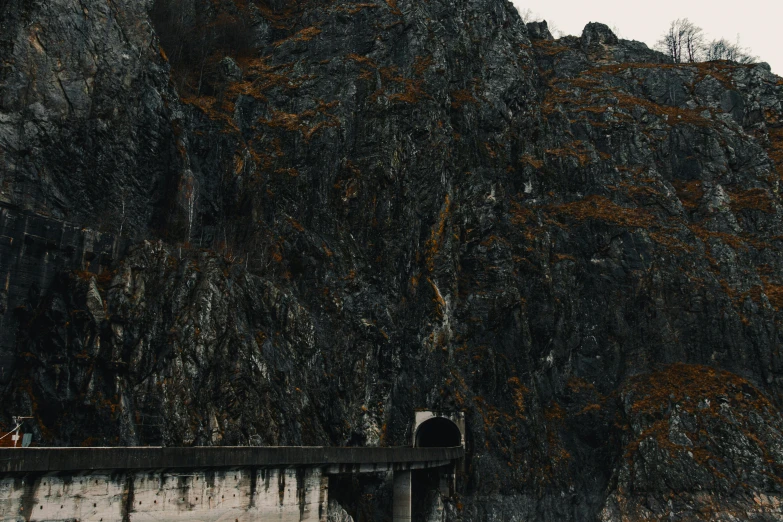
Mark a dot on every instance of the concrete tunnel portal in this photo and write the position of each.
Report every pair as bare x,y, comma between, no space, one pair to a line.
438,432
431,429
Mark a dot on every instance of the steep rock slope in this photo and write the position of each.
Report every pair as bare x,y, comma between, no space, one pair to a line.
346,211
85,128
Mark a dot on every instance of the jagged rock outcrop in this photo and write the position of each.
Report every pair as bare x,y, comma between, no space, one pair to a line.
84,123
341,212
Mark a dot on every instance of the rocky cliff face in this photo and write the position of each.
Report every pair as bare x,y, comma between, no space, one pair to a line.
319,217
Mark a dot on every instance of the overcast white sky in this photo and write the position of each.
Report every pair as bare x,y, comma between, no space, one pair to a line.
758,22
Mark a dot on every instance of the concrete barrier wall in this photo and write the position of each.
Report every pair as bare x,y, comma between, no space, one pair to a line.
26,460
285,495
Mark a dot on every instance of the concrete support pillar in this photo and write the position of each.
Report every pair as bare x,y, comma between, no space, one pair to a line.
402,496
445,483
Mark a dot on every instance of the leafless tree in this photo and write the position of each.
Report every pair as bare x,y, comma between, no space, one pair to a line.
555,30
528,16
723,49
683,42
693,42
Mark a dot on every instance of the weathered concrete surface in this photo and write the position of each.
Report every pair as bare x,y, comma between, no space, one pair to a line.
420,417
265,494
402,497
29,460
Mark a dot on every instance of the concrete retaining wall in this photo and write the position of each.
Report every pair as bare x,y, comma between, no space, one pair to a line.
226,495
196,484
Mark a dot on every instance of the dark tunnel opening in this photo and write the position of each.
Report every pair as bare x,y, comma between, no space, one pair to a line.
438,433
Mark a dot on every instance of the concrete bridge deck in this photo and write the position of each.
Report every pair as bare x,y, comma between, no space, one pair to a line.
334,460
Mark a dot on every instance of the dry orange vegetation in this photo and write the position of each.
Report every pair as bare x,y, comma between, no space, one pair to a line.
700,391
687,385
412,89
752,199
364,60
305,35
520,215
673,115
213,110
421,64
549,47
600,208
437,235
527,159
735,242
355,8
558,455
519,391
393,7
689,192
590,94
774,293
720,70
776,148
574,149
260,77
303,122
461,97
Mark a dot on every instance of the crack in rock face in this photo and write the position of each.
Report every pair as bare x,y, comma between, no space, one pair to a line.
255,222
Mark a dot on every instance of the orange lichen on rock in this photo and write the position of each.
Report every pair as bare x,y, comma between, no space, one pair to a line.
775,149
688,385
527,159
303,122
412,91
355,8
700,391
549,47
774,293
364,60
521,215
600,208
518,391
460,97
260,77
752,199
575,150
210,107
587,94
689,192
436,236
305,35
421,64
393,7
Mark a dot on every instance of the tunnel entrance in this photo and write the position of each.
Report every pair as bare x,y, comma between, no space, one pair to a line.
438,432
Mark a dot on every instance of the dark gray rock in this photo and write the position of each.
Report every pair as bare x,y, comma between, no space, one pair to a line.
539,31
598,34
230,71
98,104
